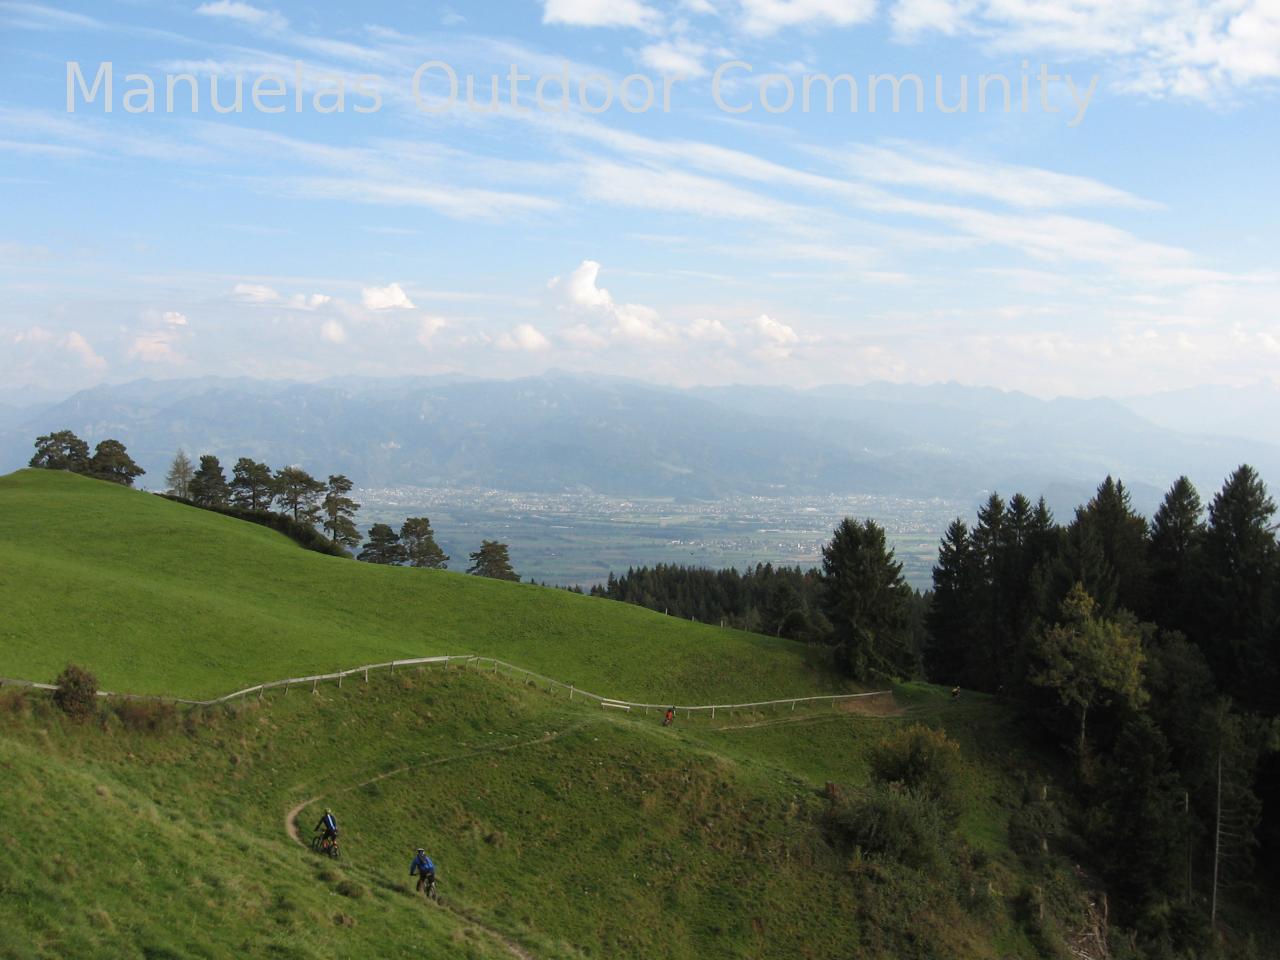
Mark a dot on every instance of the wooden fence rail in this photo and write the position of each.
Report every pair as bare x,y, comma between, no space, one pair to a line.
527,677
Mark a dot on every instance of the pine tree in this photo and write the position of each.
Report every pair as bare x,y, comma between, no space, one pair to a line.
111,462
179,476
62,450
1122,534
420,545
299,493
1177,532
1144,830
866,600
383,546
1240,573
493,561
950,618
252,486
338,510
209,484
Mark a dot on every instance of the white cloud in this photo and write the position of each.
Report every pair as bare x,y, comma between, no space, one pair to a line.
762,17
580,293
904,164
155,346
600,13
525,337
428,327
675,57
173,318
243,13
1196,49
254,293
385,298
314,301
332,331
710,331
778,339
78,345
33,335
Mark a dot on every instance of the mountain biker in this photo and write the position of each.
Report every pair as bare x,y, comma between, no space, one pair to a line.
329,825
669,716
425,869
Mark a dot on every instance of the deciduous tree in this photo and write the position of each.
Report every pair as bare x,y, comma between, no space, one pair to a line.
179,476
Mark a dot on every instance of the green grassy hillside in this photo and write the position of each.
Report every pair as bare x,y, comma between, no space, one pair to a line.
561,830
158,597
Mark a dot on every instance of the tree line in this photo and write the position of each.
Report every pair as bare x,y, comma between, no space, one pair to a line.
288,499
1148,651
1151,651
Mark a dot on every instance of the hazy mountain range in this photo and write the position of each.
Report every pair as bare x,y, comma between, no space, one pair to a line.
567,432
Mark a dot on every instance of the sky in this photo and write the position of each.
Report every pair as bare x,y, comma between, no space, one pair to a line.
671,213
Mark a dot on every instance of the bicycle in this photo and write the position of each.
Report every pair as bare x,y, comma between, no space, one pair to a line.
431,891
326,846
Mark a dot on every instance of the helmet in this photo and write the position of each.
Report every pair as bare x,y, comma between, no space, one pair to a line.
327,810
420,850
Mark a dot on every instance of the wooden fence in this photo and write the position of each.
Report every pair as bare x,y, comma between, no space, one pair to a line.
481,664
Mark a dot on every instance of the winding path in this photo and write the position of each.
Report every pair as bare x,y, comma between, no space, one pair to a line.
511,946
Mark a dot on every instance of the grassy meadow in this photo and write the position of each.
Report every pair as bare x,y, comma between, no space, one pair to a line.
561,830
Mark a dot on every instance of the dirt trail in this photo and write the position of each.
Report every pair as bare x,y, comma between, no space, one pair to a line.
513,948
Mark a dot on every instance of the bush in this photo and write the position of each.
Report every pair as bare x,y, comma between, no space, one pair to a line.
303,534
894,823
77,693
146,714
925,762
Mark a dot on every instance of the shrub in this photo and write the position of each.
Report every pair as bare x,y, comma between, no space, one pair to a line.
925,762
303,534
146,714
77,693
894,823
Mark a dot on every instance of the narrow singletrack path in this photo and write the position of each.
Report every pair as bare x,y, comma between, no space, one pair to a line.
513,948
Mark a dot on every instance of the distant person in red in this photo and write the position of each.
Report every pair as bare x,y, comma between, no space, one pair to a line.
670,715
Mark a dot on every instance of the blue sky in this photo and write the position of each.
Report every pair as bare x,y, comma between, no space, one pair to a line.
1125,249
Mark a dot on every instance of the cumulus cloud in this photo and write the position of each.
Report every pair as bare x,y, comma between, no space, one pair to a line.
525,337
153,347
777,340
428,327
79,346
580,293
386,298
243,13
333,332
259,293
34,335
173,318
710,331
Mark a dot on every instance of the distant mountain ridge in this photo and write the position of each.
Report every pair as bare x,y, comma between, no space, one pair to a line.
565,432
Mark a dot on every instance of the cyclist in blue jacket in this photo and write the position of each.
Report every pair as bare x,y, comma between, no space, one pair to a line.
329,825
424,868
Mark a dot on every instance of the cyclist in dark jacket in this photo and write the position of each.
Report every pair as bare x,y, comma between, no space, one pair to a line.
328,824
424,868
